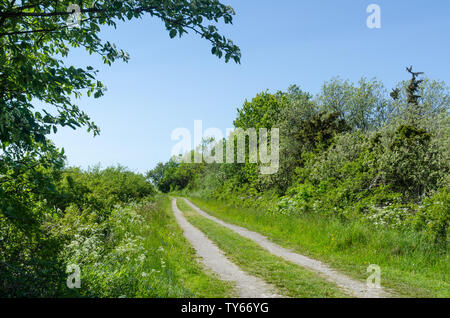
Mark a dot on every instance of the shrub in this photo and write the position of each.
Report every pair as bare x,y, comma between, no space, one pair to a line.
408,162
434,216
299,200
127,255
100,190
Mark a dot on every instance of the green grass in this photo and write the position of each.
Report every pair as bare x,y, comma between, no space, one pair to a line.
290,279
194,278
409,266
146,255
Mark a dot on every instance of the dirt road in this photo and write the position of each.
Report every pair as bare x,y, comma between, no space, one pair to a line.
214,259
351,286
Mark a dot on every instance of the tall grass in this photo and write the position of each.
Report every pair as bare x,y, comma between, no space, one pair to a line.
410,265
140,252
291,280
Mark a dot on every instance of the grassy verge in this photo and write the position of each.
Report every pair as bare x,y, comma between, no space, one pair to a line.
144,255
290,279
408,266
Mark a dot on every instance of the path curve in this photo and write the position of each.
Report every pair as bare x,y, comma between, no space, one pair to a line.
351,286
214,259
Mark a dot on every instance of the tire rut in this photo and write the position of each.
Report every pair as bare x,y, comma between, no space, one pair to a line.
349,285
214,259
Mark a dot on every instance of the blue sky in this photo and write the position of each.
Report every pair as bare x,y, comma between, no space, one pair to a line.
169,83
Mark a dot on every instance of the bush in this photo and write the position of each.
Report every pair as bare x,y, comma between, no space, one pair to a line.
98,190
434,216
60,207
128,255
299,200
407,161
352,153
30,265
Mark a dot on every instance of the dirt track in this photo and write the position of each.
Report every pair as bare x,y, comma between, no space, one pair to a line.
351,286
213,258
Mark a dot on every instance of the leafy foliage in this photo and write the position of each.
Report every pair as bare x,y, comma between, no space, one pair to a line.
173,175
261,112
125,256
36,192
100,190
434,216
352,153
35,35
37,224
364,107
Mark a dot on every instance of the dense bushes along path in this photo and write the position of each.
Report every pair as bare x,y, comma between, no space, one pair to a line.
349,285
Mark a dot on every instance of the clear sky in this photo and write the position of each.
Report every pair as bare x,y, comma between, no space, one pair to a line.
169,83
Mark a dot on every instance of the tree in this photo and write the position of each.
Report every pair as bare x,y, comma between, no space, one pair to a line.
261,112
412,158
413,87
163,175
36,34
317,133
364,106
35,37
299,109
414,108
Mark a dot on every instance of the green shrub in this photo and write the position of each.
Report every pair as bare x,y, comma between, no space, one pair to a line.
134,253
434,216
99,190
406,160
299,200
352,154
30,265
